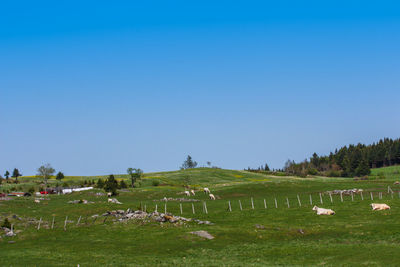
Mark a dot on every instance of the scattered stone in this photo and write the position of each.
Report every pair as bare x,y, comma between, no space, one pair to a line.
80,201
301,231
114,200
260,226
203,234
345,192
129,214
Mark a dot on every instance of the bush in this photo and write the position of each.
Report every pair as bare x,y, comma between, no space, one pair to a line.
155,183
100,183
312,171
6,224
122,184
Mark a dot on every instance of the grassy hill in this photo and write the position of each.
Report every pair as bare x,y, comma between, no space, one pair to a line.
292,235
390,173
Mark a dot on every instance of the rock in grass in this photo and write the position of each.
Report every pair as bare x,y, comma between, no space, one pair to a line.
203,234
260,226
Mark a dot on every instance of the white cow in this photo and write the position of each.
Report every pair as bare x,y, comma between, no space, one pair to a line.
37,201
192,191
212,197
376,206
187,193
206,190
109,194
321,211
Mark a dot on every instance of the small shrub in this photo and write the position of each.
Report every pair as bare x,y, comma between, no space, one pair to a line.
312,171
155,183
122,184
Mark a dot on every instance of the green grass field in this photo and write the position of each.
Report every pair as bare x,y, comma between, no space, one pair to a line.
355,236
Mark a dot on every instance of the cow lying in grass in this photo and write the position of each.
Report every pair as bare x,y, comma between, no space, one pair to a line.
321,211
376,206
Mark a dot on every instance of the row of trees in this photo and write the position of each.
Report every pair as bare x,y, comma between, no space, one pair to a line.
44,171
349,161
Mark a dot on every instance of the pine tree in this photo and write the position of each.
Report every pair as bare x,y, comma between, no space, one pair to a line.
363,168
60,176
16,174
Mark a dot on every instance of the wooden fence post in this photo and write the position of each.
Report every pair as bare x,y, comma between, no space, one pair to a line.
310,200
341,196
287,201
362,197
156,208
240,205
330,196
352,197
229,205
40,221
252,204
371,195
180,207
320,198
193,208
298,199
165,208
65,223
276,203
79,220
145,208
52,223
265,204
205,207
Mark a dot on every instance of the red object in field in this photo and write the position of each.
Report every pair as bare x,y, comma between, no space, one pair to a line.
44,192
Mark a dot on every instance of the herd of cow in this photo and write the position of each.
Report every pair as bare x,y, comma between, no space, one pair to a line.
205,190
374,206
320,211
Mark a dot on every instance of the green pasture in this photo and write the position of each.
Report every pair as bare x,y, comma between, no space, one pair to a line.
355,236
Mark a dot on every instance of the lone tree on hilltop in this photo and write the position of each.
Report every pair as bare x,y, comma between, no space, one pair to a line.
45,171
135,174
60,176
16,174
189,163
7,174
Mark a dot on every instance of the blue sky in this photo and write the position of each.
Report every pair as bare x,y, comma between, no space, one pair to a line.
95,87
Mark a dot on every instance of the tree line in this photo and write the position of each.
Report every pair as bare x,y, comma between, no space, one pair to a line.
349,161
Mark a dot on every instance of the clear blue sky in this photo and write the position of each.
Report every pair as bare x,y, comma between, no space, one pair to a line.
94,87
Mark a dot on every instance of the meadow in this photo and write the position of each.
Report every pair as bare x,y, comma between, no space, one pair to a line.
282,235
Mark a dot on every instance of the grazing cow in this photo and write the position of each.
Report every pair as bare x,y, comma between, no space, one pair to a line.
109,194
192,191
321,211
376,206
206,190
37,201
212,197
187,193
